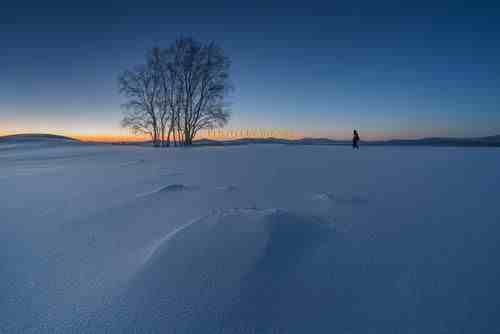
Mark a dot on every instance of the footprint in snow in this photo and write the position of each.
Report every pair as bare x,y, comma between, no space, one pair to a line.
340,199
228,188
130,163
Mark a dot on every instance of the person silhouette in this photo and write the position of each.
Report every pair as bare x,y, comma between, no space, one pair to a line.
355,139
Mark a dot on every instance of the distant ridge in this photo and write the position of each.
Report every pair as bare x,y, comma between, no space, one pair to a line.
437,141
36,138
487,141
444,141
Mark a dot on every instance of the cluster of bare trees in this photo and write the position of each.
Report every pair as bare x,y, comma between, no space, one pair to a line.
179,91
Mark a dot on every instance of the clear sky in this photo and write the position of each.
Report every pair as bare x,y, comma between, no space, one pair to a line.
389,68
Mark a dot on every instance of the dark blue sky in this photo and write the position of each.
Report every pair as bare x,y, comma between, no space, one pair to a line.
388,68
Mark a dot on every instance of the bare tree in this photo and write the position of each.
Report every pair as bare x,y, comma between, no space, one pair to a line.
180,91
201,74
141,87
163,114
170,100
199,82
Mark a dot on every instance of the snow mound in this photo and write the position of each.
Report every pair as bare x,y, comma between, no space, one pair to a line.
171,188
231,269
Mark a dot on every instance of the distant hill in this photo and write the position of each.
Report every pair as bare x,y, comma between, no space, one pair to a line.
36,138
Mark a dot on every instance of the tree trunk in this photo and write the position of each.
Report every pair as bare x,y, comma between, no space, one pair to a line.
162,136
168,136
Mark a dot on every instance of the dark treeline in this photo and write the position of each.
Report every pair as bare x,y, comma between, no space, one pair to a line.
178,91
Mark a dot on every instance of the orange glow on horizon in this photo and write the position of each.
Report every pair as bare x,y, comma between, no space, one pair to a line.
108,138
222,135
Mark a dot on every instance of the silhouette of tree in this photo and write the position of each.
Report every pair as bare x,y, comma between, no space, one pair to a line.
181,90
141,87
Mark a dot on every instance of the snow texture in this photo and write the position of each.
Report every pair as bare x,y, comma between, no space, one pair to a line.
248,239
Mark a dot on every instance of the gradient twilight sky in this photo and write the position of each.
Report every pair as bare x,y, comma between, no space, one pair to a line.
389,68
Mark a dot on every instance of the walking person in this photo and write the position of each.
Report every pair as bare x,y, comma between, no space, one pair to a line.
355,139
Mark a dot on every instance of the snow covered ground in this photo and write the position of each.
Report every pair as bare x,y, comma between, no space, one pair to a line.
249,239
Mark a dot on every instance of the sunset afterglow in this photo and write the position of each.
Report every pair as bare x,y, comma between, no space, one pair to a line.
391,75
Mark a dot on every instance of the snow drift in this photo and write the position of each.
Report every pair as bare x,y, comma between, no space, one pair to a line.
204,276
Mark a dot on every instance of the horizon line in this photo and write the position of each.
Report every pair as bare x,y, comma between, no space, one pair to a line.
105,138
